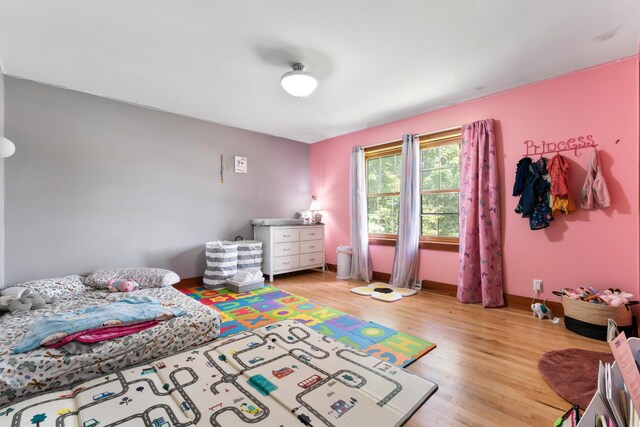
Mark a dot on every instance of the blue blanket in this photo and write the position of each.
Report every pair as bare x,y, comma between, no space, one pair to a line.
127,310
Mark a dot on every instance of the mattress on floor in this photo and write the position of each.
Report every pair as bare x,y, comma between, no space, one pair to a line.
48,369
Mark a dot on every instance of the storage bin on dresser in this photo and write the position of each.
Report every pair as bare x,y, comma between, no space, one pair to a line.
290,247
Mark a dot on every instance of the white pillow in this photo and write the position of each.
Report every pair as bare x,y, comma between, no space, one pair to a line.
145,277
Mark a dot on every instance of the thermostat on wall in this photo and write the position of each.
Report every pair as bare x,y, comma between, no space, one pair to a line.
241,164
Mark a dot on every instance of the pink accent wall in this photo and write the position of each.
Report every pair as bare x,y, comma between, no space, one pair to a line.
598,248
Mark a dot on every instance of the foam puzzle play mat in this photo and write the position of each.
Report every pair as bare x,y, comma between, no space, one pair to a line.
254,309
284,374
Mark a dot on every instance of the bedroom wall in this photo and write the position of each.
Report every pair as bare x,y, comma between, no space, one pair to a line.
99,183
1,182
598,248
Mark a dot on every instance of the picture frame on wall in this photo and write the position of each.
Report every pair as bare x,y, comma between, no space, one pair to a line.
240,164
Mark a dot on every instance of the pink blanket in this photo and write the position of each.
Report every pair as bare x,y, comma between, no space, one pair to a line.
102,334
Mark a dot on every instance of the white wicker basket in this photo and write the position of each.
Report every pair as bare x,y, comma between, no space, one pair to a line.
244,287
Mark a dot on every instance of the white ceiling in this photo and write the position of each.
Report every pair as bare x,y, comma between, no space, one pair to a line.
376,60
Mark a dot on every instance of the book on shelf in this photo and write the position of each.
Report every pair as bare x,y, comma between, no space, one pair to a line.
617,397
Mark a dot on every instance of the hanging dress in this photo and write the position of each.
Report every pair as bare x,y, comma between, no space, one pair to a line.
561,198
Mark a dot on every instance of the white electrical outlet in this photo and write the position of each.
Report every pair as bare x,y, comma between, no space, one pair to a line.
537,285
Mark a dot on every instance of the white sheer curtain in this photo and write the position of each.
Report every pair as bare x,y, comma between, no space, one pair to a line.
360,261
405,262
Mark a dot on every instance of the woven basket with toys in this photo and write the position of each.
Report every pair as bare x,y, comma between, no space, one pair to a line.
587,311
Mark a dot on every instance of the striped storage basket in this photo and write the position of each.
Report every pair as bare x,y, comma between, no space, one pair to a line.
249,255
222,259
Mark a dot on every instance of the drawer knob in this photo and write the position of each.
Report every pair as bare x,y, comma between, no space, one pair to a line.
286,235
286,263
312,234
286,249
311,247
312,259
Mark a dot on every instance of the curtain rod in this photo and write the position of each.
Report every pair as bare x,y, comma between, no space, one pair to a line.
422,134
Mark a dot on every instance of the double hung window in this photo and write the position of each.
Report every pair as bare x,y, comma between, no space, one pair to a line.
439,188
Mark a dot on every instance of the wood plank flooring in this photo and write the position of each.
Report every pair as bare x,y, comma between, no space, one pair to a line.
486,360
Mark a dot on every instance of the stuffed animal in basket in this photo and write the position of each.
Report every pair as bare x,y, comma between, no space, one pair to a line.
121,285
541,311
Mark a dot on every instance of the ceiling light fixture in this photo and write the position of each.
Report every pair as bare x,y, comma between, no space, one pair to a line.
298,82
7,148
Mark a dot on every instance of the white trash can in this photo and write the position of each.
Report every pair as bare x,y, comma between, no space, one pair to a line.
344,262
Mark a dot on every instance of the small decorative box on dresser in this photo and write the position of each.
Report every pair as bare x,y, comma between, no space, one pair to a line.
290,247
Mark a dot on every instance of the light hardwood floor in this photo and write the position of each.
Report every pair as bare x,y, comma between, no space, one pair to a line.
485,362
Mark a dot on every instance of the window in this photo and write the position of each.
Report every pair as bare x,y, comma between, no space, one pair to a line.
440,181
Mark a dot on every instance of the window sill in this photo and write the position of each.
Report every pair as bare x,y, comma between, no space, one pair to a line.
424,244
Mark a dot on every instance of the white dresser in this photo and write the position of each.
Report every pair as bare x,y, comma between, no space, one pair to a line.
290,247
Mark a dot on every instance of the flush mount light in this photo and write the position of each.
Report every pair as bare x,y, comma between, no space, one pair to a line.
6,148
298,82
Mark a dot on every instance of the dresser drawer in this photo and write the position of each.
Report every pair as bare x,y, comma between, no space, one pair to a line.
286,235
313,233
311,259
285,249
311,246
286,263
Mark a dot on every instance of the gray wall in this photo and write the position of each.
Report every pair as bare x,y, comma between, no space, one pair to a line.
1,182
98,183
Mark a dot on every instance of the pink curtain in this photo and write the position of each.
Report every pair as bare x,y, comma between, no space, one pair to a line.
480,270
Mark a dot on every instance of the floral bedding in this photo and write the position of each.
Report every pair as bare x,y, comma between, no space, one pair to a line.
48,369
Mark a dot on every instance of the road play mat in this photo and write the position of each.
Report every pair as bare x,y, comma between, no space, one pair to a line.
284,374
250,310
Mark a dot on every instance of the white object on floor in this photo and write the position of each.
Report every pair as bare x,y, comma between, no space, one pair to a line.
396,295
392,297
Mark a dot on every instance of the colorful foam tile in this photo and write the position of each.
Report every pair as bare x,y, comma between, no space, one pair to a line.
385,353
347,322
253,299
256,320
406,344
224,316
325,313
283,313
265,290
209,293
232,304
220,299
231,327
267,305
305,318
329,330
374,332
278,294
356,341
242,311
305,306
